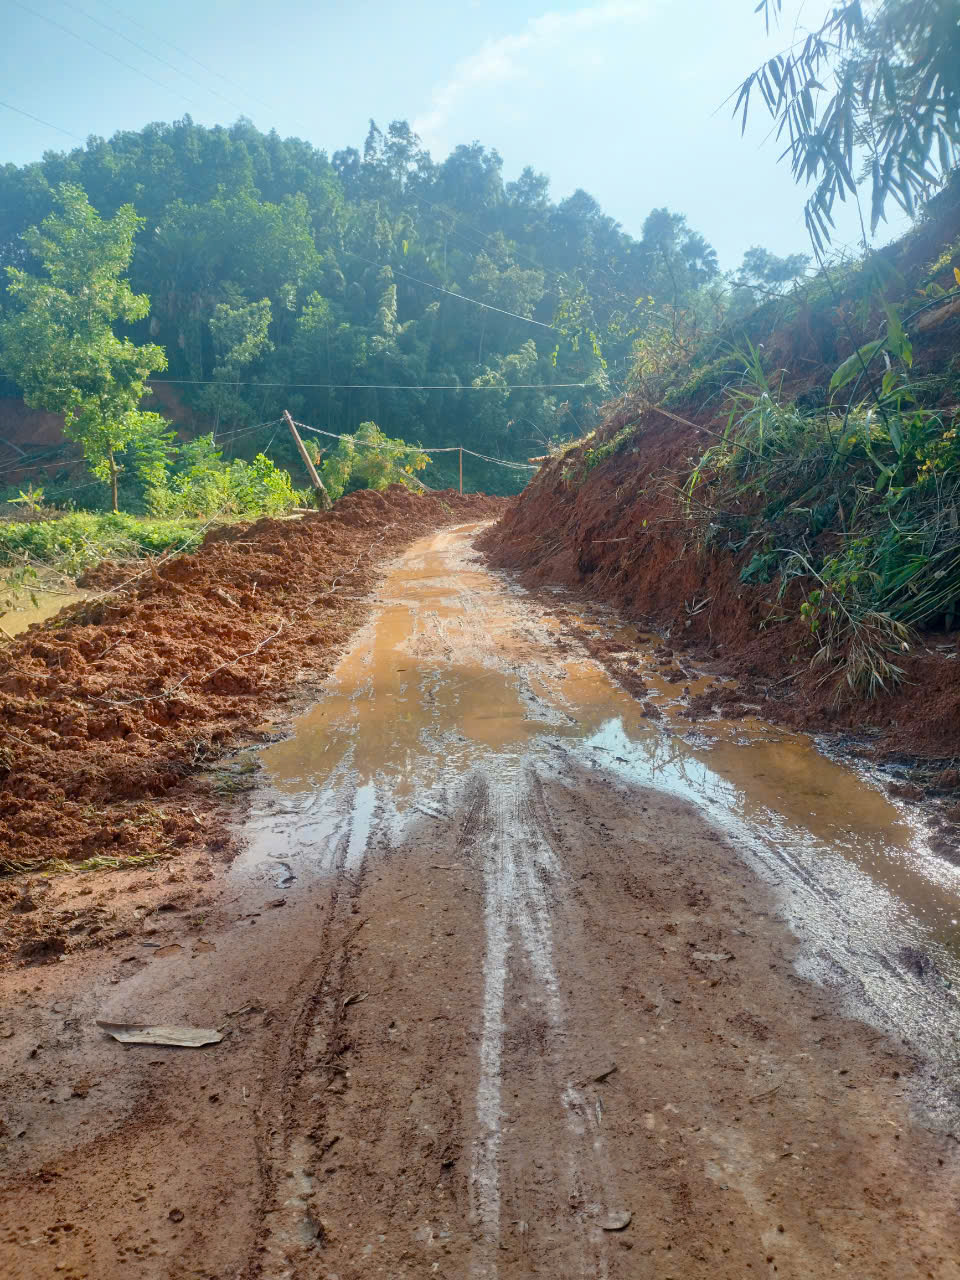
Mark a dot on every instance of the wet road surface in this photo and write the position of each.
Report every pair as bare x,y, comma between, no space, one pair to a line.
518,980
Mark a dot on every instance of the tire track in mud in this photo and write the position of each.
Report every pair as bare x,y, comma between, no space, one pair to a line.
311,1042
525,899
536,1172
504,841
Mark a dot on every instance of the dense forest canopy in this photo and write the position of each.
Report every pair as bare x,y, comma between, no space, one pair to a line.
279,277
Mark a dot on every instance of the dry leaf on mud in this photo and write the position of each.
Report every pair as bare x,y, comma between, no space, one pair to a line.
183,1037
357,998
617,1221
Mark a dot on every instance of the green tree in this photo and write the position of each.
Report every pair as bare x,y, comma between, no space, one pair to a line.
240,335
58,342
765,272
362,258
879,81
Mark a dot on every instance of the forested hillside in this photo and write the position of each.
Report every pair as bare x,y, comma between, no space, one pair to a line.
279,277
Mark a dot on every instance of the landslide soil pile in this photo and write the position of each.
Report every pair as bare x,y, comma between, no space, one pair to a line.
615,531
105,708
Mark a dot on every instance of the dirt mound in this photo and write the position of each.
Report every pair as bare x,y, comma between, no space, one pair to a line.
616,535
108,706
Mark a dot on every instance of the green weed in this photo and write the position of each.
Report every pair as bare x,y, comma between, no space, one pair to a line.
856,507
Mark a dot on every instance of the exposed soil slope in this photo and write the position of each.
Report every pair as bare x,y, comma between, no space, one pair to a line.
110,704
617,535
615,531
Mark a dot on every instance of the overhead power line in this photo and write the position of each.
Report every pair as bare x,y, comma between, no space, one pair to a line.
150,54
105,52
366,386
451,213
462,296
425,448
155,35
20,112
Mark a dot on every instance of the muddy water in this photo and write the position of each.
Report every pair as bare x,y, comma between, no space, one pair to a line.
458,672
29,608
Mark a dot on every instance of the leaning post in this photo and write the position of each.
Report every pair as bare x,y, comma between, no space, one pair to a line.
315,480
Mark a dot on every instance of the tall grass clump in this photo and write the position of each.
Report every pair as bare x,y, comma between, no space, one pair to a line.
852,509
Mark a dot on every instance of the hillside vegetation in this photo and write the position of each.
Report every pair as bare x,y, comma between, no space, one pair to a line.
787,499
329,282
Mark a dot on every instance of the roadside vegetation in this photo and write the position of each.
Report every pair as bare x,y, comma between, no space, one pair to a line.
832,475
852,509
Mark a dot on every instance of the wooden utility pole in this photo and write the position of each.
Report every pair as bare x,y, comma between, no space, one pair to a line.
461,473
311,469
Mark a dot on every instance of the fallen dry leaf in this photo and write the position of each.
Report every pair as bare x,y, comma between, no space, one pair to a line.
184,1037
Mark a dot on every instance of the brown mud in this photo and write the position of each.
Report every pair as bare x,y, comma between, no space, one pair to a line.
106,709
515,979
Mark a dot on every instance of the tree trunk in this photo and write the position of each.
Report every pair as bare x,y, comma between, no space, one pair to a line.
114,471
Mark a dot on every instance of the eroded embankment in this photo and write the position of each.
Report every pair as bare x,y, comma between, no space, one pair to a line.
617,534
108,706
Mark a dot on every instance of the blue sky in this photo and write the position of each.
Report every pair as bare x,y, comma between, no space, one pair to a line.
620,97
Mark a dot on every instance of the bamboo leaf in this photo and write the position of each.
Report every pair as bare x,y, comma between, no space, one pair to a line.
854,364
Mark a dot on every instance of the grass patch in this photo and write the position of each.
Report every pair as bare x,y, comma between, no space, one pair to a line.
77,541
98,862
574,474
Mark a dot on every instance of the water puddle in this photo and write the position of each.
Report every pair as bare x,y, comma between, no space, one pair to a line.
459,672
22,609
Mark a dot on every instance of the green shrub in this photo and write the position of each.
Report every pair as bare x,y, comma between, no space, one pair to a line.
204,485
858,507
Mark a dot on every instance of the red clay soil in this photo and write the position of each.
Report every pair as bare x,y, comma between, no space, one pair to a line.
107,707
618,537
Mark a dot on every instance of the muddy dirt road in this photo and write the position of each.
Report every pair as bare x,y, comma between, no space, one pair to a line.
517,979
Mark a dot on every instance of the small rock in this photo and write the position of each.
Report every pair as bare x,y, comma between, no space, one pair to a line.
617,1220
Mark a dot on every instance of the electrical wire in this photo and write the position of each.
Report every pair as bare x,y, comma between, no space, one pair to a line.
150,54
20,111
425,448
462,296
368,386
558,276
185,54
105,52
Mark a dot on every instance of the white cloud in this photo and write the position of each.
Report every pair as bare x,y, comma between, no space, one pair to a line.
505,58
